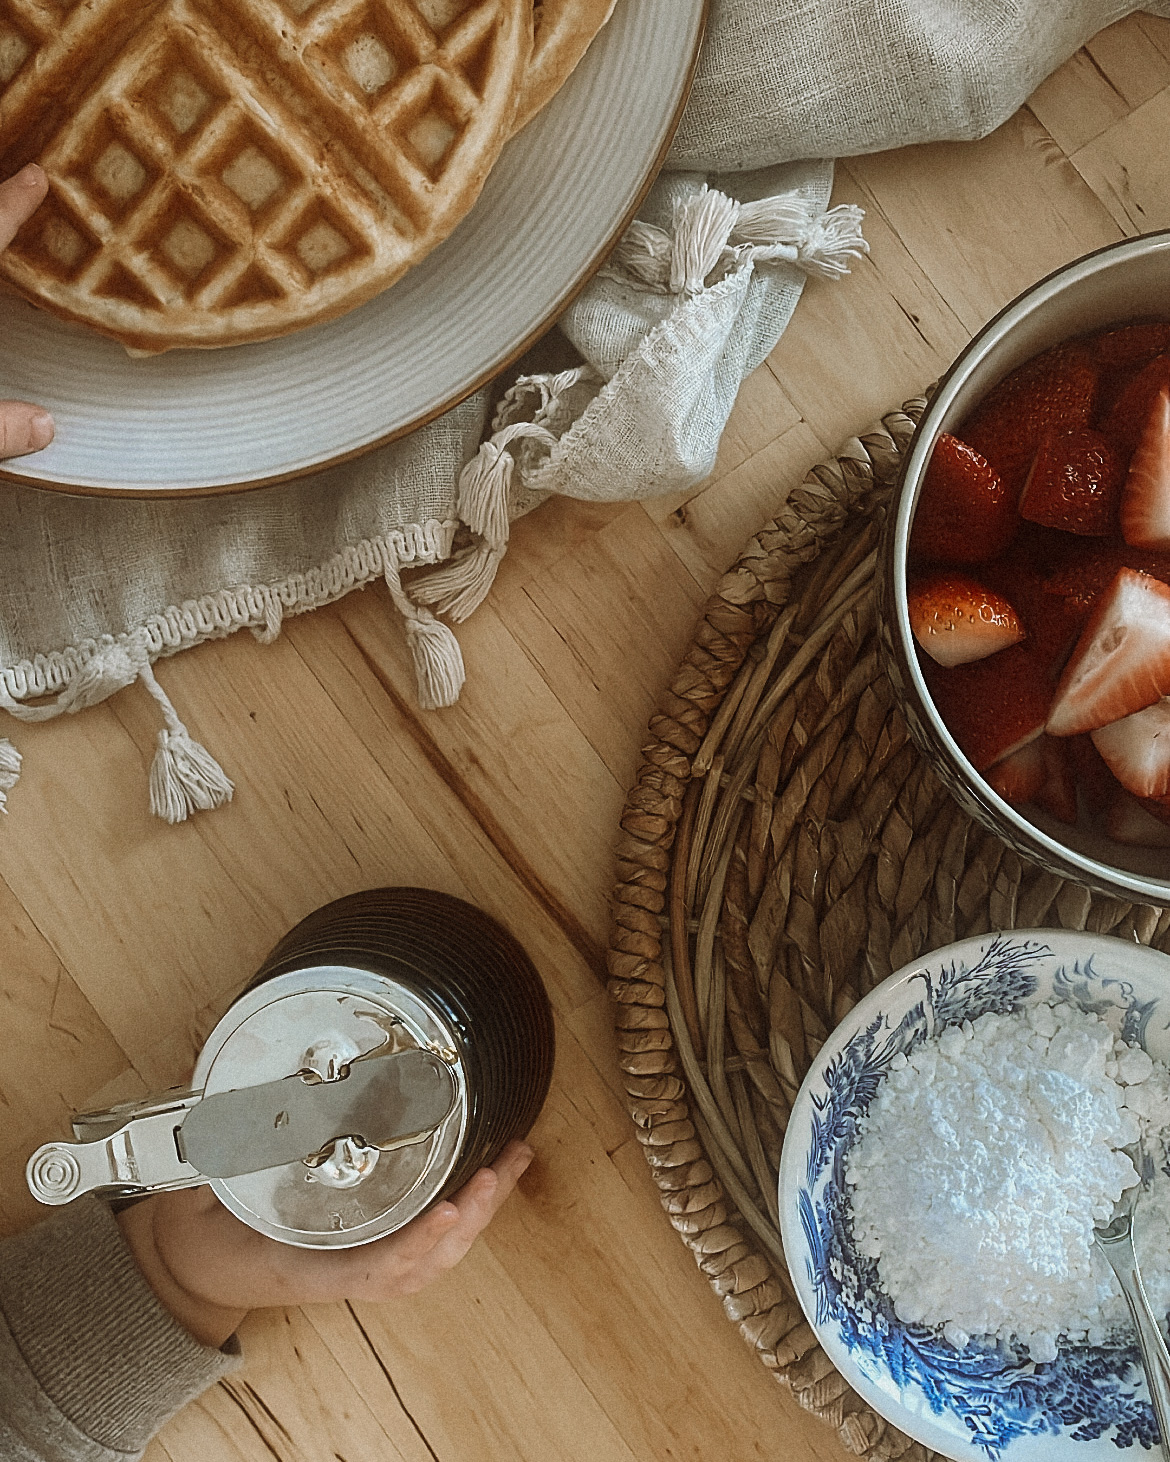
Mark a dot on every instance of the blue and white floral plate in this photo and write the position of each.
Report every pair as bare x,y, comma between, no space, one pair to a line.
1091,1402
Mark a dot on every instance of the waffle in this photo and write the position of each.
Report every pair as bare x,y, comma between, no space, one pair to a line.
563,31
224,171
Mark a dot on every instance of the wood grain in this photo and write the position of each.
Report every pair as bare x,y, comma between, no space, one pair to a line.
579,1329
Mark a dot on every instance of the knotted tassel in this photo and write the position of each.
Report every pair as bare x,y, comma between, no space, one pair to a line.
459,587
184,776
793,231
712,232
438,661
702,225
9,770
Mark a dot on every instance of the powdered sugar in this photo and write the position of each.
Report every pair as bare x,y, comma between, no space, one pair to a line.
983,1163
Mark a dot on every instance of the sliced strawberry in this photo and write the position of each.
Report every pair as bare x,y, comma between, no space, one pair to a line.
1158,807
994,706
1121,662
1058,793
1074,483
1051,622
1136,750
1088,567
964,512
1125,421
1019,777
1129,821
1097,784
1133,344
955,619
1055,391
1145,500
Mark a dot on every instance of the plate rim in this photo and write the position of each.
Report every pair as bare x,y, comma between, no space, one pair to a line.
461,394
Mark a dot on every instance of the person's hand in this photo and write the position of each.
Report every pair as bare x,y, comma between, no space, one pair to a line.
23,426
209,1269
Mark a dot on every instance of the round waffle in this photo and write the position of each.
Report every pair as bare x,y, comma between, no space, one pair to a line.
224,171
563,30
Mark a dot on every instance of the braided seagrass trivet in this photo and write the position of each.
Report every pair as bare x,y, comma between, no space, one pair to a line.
784,849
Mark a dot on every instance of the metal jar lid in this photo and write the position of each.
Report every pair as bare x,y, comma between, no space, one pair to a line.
323,1018
391,1044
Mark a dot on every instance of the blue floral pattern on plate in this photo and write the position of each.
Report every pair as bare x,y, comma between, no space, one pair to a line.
982,1403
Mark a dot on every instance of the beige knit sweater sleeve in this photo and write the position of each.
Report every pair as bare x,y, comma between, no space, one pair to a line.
91,1365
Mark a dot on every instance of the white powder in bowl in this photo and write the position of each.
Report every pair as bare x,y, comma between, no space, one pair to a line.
982,1165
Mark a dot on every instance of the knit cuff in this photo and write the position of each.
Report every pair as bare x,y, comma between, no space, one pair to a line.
99,1343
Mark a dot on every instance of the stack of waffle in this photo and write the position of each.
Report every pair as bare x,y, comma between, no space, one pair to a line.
224,171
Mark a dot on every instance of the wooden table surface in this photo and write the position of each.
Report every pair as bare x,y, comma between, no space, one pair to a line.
578,1329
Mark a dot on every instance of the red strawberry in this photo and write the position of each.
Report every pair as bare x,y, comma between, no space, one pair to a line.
1129,821
1019,777
1058,793
956,620
1074,483
994,706
1088,568
1158,807
964,512
1039,772
1051,622
1121,662
1055,391
1097,783
1136,750
1133,344
1125,421
1145,501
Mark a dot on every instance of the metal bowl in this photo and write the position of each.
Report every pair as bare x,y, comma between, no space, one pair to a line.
1122,282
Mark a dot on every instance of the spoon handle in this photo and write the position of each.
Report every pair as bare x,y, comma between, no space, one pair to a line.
1155,1356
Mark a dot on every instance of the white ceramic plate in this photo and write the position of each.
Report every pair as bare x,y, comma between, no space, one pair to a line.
191,421
1089,1405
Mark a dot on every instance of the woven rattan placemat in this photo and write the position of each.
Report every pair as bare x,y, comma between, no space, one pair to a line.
785,848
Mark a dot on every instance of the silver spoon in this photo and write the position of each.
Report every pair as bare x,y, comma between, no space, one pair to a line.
1115,1240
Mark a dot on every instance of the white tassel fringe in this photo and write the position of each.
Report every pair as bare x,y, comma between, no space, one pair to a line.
438,661
458,587
791,230
184,776
711,232
702,224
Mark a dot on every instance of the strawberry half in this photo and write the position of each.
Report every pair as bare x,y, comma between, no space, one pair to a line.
956,620
1051,623
1074,483
1088,568
1135,823
965,514
1136,750
1019,777
1121,662
1039,772
1058,793
1129,821
1097,783
1145,500
992,707
1130,345
1055,391
1126,419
